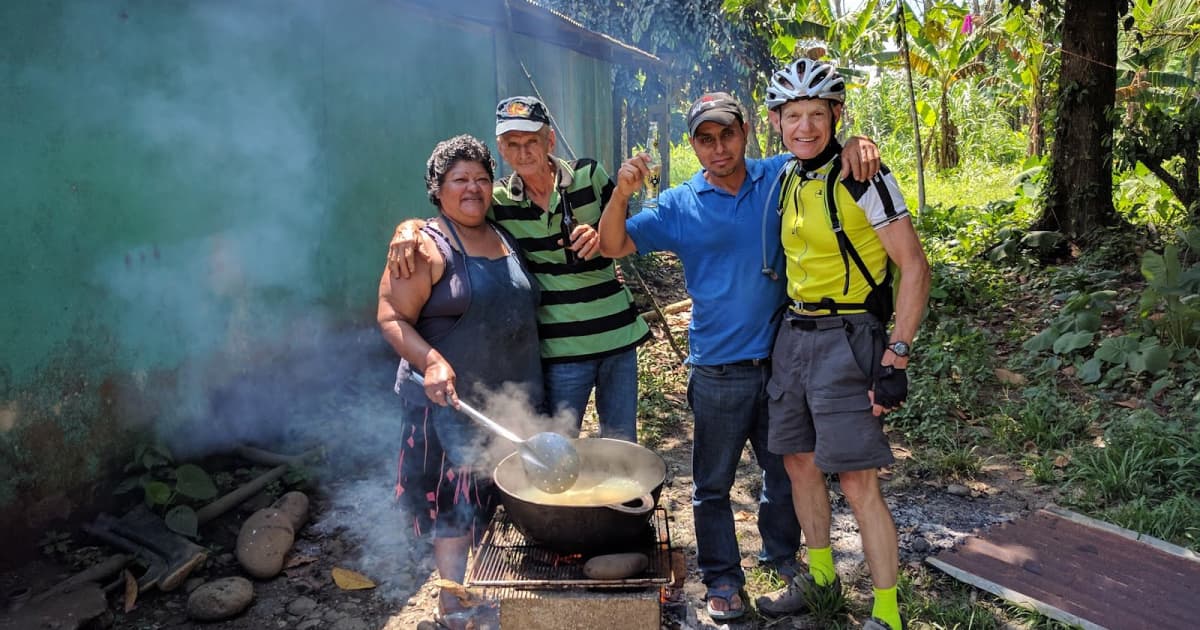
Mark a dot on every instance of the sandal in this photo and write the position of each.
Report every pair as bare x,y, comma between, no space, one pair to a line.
725,592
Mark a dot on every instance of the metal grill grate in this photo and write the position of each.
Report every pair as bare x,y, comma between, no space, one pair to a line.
505,559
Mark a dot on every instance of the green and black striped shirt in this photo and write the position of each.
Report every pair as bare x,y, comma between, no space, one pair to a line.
586,312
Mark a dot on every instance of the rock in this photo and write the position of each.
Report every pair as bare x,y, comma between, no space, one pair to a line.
295,505
310,624
220,599
920,545
301,606
263,542
192,584
958,490
349,623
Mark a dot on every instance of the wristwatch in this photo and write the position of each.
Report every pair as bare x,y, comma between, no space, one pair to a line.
899,348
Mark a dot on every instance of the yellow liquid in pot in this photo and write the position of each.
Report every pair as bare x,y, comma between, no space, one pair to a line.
587,492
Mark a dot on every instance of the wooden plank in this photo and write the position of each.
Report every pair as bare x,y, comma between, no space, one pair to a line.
1157,543
1010,595
1080,570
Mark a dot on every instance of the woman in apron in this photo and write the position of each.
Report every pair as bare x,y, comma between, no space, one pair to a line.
466,321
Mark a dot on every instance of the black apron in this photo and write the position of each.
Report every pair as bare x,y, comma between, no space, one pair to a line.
494,342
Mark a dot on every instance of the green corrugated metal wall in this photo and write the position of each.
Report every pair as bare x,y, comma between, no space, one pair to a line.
189,187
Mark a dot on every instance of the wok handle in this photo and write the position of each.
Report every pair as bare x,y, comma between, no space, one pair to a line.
645,504
474,414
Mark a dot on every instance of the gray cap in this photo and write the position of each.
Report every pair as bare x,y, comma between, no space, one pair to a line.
718,107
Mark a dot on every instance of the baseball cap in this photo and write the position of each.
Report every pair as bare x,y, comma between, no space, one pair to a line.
520,113
718,107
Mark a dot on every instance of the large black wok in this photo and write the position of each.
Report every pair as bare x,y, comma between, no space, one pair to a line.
607,510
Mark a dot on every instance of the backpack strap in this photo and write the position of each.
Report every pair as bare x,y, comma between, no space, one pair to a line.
846,247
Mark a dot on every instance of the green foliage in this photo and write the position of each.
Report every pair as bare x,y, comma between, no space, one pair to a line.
1144,199
1172,295
1177,519
168,487
961,461
684,162
940,601
1043,419
1144,477
1076,325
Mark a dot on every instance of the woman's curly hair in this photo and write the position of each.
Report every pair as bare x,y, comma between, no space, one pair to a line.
447,153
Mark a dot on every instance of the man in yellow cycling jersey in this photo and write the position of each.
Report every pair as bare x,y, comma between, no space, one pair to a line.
837,370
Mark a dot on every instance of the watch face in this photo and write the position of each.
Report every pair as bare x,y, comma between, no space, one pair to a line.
899,348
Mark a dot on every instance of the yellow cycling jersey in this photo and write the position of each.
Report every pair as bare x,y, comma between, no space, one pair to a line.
816,269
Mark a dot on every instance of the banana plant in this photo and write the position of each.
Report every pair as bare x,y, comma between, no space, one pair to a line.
945,50
1159,85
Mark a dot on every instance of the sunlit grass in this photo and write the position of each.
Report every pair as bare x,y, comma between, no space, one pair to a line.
972,184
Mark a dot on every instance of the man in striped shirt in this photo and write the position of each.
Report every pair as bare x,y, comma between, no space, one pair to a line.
587,324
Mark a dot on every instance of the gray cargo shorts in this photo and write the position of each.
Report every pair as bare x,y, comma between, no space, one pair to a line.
817,395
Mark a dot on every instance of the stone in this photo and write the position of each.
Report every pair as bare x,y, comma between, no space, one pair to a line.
301,606
310,624
295,505
920,545
264,541
958,490
192,584
349,623
220,599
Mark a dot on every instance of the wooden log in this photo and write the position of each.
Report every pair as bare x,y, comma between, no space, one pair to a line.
670,309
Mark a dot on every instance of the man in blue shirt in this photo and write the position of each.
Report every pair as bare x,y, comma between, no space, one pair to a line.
715,223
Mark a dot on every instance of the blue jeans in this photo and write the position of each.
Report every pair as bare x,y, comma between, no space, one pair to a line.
730,406
568,386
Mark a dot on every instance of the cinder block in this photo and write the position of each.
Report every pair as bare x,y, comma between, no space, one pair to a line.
578,609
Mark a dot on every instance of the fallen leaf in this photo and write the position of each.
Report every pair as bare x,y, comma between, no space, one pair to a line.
348,580
1069,370
1157,317
1062,460
1008,377
131,591
1130,404
962,415
743,516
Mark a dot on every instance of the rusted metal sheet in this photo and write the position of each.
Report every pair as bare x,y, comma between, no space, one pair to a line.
1081,571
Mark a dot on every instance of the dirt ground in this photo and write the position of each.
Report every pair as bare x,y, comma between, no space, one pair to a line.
355,526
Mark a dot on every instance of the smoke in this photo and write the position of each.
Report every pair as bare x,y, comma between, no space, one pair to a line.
201,145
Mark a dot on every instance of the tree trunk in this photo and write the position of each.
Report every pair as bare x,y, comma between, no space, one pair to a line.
1037,131
1079,197
947,153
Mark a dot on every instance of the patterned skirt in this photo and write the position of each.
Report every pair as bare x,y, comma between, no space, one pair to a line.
441,497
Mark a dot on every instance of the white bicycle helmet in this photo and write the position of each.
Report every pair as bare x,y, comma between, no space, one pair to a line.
805,78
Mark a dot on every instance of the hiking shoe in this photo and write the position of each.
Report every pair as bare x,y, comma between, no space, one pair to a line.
875,623
798,596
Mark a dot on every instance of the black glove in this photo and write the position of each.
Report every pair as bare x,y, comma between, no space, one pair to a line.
891,386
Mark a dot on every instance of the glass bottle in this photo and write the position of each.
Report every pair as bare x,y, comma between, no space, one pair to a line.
650,198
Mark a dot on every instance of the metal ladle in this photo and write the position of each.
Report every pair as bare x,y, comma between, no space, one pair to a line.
550,460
